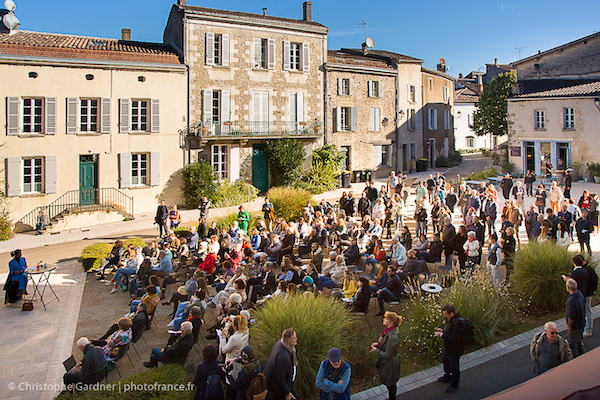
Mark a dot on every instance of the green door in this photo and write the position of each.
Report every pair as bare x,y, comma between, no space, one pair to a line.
260,167
88,179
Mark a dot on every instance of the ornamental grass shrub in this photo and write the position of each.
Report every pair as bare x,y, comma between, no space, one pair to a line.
538,270
167,382
320,323
490,309
288,202
92,255
232,194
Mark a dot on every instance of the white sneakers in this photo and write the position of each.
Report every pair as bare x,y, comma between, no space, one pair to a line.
587,334
113,290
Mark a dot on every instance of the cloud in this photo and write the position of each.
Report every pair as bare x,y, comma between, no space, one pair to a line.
507,7
344,33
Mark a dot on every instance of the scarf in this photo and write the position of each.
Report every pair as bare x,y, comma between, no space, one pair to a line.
292,351
385,332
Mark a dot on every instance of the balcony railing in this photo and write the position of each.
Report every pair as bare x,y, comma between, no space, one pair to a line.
235,129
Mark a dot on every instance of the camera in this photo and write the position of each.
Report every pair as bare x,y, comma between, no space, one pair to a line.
229,366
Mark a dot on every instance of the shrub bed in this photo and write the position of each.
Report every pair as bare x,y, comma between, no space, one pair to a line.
233,194
488,172
288,202
92,255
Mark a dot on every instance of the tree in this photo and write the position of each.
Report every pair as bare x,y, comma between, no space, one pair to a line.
285,160
491,113
199,179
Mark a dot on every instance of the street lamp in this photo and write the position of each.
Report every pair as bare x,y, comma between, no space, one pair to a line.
401,114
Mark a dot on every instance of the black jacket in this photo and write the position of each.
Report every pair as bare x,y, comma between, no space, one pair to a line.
202,372
279,372
582,278
93,361
361,299
395,285
178,351
453,335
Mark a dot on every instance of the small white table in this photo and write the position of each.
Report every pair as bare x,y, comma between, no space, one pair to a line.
43,281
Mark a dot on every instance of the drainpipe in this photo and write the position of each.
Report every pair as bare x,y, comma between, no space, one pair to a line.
398,133
187,66
325,102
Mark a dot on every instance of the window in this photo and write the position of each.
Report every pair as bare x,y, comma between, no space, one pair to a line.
431,119
470,141
412,94
374,89
220,161
32,175
88,115
217,49
375,122
260,112
345,87
430,84
139,115
469,118
33,115
139,169
540,119
345,119
296,107
412,151
382,155
446,94
447,119
216,105
296,56
295,61
569,117
412,119
264,53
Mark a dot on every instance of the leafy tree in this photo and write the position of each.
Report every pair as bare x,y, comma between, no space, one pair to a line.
199,179
328,155
491,114
285,161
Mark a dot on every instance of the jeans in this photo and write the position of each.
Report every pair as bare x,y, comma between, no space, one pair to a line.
162,228
575,339
421,228
584,241
156,356
385,295
119,274
589,319
181,308
134,305
451,368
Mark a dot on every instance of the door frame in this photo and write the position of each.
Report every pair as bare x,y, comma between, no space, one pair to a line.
85,199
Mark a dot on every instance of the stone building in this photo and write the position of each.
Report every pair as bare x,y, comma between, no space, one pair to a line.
252,78
91,124
372,107
438,120
465,105
553,113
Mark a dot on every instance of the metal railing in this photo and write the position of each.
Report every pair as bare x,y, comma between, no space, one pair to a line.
251,129
82,201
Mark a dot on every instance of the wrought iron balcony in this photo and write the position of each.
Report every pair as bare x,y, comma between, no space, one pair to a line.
195,134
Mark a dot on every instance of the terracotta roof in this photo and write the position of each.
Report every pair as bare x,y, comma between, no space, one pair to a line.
241,14
40,44
382,54
438,73
465,95
585,89
338,57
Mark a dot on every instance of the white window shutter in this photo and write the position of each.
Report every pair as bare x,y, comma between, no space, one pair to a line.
417,119
13,176
434,118
207,106
50,104
379,91
371,120
105,110
264,105
286,55
51,175
408,93
377,159
339,86
353,119
155,116
350,86
271,54
225,105
338,118
305,57
155,168
370,88
377,120
125,170
300,107
225,50
255,106
292,116
257,53
124,115
72,115
12,111
210,48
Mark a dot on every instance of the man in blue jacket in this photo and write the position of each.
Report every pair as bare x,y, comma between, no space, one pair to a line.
334,377
575,316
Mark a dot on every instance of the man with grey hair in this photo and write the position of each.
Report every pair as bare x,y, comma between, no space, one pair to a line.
548,349
175,353
223,295
575,316
337,272
87,370
328,265
164,266
282,366
132,266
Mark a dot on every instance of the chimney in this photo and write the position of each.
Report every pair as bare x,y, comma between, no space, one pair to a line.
365,49
181,2
307,11
264,12
125,34
441,67
495,61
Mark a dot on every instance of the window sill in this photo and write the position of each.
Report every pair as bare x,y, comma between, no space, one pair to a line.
140,133
569,129
262,69
295,71
31,135
539,129
220,66
31,195
89,134
139,187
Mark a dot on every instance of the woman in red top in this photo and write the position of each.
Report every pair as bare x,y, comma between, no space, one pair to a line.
208,265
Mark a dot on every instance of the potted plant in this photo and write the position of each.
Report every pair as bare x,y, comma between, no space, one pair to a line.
594,170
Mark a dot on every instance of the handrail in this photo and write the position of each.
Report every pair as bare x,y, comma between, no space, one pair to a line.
82,200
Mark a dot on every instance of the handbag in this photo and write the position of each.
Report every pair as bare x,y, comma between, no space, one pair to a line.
182,291
27,305
539,202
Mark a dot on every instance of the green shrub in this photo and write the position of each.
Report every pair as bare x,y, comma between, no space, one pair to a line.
199,179
538,270
226,221
232,194
507,166
450,161
456,157
481,175
92,255
320,323
6,226
320,178
594,168
490,309
285,161
135,241
288,202
181,231
147,385
495,158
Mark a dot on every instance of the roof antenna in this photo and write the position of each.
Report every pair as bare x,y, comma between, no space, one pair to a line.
364,25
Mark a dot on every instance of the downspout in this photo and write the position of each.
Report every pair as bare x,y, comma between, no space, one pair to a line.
424,118
187,66
398,133
325,102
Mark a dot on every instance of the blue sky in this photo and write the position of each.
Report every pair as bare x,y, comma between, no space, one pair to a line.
467,34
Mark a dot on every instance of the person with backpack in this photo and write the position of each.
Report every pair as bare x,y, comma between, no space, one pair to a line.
453,335
209,376
334,377
494,259
592,286
251,383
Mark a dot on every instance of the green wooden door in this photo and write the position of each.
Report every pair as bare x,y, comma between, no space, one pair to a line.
88,179
260,167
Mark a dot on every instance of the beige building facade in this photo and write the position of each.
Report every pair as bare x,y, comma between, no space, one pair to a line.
438,114
90,123
252,78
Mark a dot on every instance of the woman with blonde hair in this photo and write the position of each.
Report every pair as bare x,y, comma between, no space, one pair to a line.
233,345
349,287
387,350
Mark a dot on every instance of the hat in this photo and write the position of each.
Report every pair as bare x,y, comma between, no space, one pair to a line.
248,352
309,280
334,354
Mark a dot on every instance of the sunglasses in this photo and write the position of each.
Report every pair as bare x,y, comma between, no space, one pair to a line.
552,332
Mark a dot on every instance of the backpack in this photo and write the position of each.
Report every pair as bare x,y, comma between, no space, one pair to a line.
258,388
593,278
493,254
468,337
213,388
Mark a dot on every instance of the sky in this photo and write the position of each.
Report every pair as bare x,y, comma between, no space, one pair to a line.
467,34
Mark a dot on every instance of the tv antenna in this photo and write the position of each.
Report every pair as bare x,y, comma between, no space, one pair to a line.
518,50
364,25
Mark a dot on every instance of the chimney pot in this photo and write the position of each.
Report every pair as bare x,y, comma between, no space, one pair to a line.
181,2
264,12
307,11
495,61
126,34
